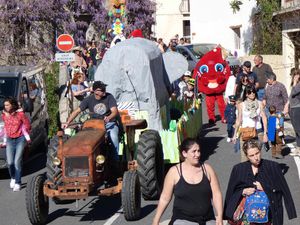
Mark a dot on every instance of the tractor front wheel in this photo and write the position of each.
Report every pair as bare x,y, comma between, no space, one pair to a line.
131,195
37,204
150,164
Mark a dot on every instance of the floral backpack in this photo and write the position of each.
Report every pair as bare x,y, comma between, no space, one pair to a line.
257,207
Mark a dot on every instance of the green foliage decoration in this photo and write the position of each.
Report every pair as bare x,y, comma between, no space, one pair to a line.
267,36
51,79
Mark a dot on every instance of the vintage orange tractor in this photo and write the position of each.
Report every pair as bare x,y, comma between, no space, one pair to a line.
80,166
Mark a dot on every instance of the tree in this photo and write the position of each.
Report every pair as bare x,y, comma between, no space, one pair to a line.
267,38
139,15
29,27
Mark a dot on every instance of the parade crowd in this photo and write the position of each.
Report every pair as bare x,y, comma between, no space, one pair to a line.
256,107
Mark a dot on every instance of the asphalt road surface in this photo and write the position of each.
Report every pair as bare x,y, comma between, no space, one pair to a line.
108,210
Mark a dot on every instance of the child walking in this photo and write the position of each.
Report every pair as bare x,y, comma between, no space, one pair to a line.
275,132
230,116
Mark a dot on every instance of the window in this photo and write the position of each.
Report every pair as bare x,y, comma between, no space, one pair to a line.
187,30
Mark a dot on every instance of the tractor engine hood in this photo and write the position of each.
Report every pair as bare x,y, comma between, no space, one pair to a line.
84,142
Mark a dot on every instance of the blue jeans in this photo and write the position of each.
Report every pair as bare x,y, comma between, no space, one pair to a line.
230,130
260,94
113,132
14,156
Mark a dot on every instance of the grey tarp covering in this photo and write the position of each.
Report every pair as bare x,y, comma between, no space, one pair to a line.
134,72
175,65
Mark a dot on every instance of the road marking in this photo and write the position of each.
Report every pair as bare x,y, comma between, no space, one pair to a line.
112,219
296,158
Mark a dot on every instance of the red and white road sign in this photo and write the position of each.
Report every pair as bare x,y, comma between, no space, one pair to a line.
65,42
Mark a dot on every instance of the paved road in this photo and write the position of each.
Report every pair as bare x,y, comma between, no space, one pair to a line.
107,211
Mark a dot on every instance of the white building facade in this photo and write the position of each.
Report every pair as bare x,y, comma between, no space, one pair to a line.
210,21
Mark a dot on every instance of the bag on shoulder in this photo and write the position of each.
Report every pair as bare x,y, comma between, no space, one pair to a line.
238,213
257,207
247,133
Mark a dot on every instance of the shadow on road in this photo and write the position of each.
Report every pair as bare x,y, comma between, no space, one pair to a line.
35,164
146,210
103,208
208,144
56,214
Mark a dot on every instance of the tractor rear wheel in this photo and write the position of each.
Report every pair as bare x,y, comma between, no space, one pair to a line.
131,195
150,164
37,204
54,173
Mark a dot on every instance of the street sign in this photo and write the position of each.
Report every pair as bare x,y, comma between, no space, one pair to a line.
64,57
65,42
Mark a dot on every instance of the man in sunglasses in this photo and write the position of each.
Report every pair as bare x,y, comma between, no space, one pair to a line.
101,105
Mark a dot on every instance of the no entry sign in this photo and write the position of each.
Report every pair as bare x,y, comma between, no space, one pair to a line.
65,42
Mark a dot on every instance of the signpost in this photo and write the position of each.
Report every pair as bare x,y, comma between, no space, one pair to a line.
65,42
64,57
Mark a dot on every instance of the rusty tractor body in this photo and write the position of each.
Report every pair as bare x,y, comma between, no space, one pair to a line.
80,166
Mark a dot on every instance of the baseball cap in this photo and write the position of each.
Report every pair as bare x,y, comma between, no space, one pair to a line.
187,73
247,64
191,81
232,98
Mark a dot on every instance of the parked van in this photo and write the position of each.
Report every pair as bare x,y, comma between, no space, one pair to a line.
27,85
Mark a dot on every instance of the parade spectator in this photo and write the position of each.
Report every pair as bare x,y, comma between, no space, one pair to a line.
79,61
275,94
104,50
246,71
92,50
240,87
230,86
101,105
161,45
275,131
294,108
91,71
14,121
250,114
261,69
230,117
258,174
189,93
182,41
79,90
195,187
180,85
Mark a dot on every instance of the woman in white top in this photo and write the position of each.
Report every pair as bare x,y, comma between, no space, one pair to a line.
250,114
230,86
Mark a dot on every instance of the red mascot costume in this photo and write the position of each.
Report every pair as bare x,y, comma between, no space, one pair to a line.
213,72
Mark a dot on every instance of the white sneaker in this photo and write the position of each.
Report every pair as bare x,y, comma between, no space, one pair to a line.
228,140
295,152
17,187
12,183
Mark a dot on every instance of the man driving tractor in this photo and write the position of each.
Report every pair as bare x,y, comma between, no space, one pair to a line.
101,105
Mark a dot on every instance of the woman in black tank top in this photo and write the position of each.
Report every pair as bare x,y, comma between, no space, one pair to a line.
195,187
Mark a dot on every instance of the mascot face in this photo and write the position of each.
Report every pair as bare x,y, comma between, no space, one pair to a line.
212,73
